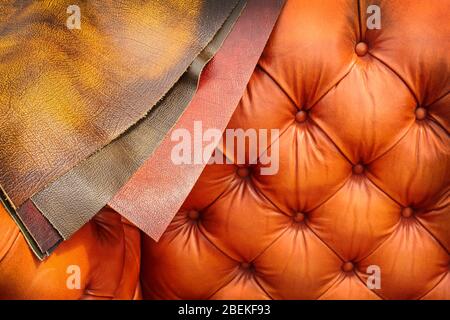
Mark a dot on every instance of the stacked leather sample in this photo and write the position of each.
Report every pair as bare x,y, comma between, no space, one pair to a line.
221,86
41,181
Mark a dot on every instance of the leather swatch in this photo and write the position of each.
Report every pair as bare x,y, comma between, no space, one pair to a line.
72,200
45,236
66,93
157,190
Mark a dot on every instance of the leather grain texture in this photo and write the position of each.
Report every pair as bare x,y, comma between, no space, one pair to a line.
364,175
73,199
157,190
65,93
292,235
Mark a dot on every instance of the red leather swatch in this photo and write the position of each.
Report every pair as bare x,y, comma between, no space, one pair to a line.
39,229
157,190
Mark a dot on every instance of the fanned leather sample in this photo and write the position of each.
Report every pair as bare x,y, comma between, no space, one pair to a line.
66,93
72,200
158,189
42,236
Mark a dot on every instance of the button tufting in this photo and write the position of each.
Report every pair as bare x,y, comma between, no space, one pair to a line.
361,48
348,267
351,228
243,243
246,265
407,212
421,113
358,169
301,116
243,172
193,214
299,217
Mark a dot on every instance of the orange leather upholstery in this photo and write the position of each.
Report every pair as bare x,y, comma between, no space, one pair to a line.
364,168
106,252
363,179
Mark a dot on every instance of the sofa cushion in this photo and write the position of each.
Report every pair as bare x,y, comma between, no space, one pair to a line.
104,254
364,168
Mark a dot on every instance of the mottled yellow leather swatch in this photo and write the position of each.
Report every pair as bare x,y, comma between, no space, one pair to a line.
66,93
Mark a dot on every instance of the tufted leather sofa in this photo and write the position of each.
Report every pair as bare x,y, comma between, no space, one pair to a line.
363,179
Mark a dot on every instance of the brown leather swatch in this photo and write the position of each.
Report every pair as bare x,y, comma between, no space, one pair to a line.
66,93
73,199
158,189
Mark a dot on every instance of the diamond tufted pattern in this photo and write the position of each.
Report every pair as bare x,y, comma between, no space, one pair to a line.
363,180
364,168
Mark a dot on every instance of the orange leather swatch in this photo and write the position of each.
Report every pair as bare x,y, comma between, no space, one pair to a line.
157,190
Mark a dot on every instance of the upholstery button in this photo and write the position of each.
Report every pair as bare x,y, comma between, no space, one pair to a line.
301,116
246,265
299,217
243,172
348,266
193,214
421,113
358,169
361,48
407,212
